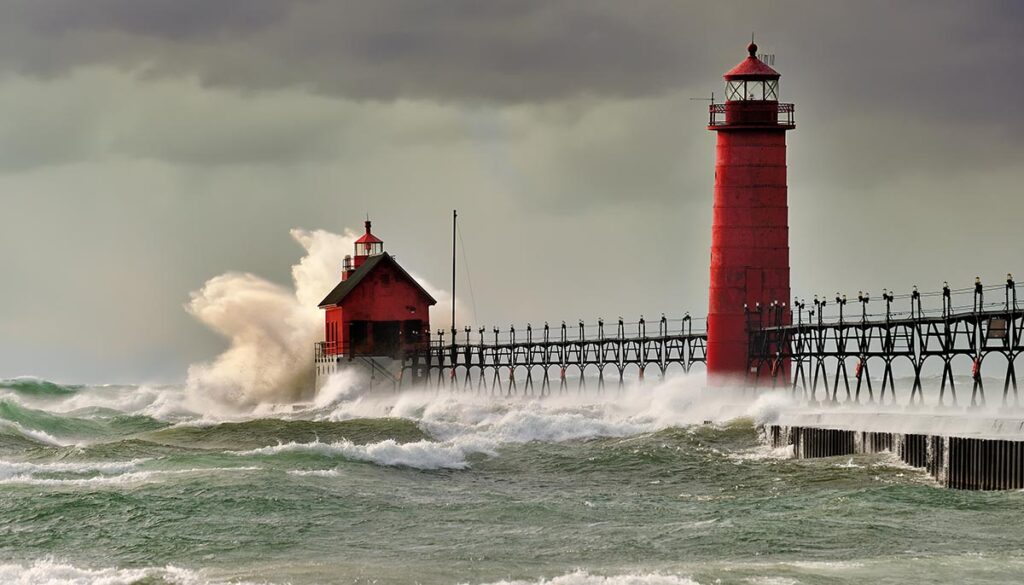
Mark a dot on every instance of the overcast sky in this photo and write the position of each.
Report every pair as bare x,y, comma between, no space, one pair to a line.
147,146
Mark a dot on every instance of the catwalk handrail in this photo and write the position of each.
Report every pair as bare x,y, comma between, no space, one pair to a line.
959,322
621,329
499,360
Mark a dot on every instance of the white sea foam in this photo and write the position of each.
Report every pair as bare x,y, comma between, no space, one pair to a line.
167,403
315,472
129,478
340,386
848,465
54,572
419,454
825,565
465,424
9,469
763,452
47,572
581,577
772,581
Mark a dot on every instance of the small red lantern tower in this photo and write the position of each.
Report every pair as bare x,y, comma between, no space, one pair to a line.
750,232
377,310
367,245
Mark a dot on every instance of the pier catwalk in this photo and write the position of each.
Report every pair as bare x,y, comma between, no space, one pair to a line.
537,361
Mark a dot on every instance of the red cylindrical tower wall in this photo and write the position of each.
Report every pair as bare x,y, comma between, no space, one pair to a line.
749,238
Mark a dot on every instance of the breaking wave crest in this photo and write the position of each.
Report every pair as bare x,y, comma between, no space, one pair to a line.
12,469
121,479
95,473
417,429
418,455
585,578
36,387
461,428
54,572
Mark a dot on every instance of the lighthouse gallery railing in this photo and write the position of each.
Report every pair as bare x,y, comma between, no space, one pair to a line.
785,114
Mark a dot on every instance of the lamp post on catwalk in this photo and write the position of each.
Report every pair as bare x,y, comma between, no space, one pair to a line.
750,231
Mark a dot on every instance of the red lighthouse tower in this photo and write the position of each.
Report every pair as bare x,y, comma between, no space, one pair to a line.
750,231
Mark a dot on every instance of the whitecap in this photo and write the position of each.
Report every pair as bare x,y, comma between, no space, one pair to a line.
133,477
418,455
53,572
763,452
10,469
315,472
581,577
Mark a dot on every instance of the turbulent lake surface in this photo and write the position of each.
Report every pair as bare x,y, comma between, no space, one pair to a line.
120,484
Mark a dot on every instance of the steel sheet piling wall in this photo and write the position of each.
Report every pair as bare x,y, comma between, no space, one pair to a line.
955,462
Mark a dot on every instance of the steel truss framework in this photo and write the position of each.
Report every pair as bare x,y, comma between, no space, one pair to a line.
961,339
537,364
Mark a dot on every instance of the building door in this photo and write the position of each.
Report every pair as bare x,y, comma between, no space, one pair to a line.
358,338
386,337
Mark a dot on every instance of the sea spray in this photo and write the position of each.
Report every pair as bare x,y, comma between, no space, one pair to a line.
271,329
464,424
678,400
418,455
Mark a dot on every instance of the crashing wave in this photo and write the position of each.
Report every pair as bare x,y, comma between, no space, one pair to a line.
31,386
581,577
418,455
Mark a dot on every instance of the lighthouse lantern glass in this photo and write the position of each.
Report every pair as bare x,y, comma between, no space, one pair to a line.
369,248
734,90
752,90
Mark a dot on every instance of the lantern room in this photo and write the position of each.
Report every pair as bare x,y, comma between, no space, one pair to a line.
367,245
752,80
751,96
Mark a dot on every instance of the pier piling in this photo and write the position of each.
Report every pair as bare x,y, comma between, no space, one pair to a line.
967,463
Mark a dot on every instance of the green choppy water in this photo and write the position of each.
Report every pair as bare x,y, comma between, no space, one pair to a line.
122,485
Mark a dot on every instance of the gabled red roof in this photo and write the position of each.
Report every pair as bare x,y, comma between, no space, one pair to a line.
369,238
752,67
343,288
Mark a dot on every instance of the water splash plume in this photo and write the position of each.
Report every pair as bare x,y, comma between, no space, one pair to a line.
270,328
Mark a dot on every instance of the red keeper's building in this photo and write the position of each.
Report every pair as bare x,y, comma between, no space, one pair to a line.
378,309
750,228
